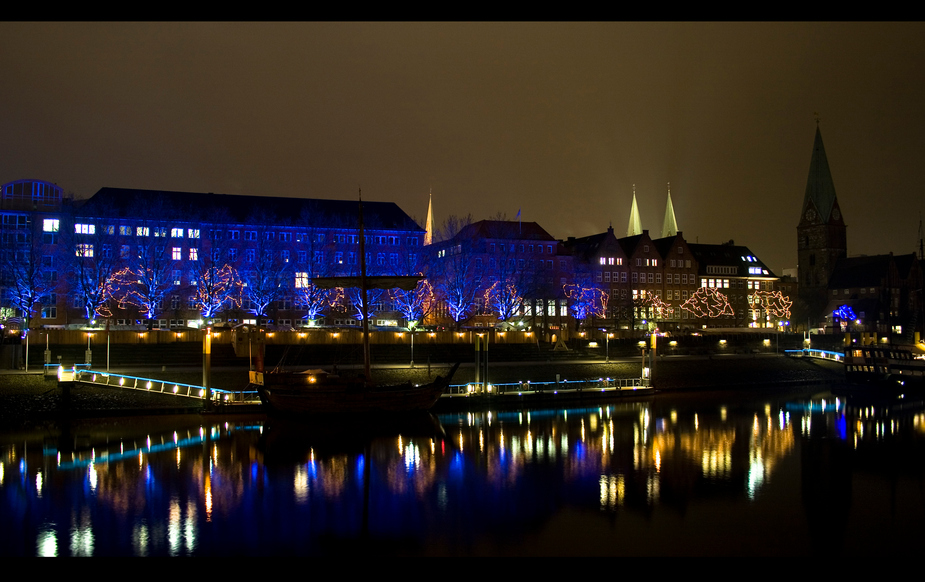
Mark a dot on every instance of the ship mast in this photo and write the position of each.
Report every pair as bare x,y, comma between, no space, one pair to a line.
366,356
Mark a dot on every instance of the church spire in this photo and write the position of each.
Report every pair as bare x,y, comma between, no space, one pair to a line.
429,225
670,227
820,189
635,225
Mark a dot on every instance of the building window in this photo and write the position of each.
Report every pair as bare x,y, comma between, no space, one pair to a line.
84,229
192,233
50,225
84,250
176,253
194,254
301,280
250,235
142,231
233,235
250,255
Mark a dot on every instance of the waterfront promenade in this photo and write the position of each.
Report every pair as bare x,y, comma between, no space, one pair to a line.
29,398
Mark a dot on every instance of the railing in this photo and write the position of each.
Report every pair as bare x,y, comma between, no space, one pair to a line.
599,385
819,354
164,387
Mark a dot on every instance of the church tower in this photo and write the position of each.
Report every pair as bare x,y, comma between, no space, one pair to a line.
821,238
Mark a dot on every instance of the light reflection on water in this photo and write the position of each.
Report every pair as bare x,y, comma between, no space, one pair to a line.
701,474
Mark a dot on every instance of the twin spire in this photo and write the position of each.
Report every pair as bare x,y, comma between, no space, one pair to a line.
669,226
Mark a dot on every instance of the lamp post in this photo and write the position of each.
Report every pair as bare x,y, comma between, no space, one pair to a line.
411,326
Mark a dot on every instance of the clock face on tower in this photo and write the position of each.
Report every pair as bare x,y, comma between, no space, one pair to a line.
810,214
836,214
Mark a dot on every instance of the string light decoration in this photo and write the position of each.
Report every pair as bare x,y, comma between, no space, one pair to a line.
661,309
217,289
774,303
845,313
504,298
585,302
144,289
708,302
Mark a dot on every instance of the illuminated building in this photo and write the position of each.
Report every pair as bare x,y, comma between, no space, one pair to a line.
680,278
735,272
883,291
493,266
599,262
138,256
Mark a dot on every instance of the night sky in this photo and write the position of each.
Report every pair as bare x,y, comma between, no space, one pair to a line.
558,120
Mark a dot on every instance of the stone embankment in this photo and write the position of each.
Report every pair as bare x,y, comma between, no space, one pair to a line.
29,399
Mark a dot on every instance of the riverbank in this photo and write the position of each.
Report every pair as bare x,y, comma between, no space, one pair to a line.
30,399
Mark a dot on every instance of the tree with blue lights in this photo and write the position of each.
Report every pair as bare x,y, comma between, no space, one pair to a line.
24,279
586,302
266,272
453,270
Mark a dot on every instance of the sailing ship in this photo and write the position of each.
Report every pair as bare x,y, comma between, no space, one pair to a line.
317,391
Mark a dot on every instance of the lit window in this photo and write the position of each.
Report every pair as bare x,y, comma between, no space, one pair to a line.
176,254
84,229
301,280
84,250
194,254
192,233
50,225
142,231
176,232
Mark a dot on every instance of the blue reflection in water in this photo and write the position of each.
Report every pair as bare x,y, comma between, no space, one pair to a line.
489,484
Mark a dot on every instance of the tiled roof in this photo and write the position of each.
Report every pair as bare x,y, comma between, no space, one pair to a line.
186,206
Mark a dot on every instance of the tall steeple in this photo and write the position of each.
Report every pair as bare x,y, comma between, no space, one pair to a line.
820,189
821,233
429,225
635,225
670,227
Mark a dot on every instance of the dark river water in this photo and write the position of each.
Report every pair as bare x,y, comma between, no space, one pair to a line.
725,473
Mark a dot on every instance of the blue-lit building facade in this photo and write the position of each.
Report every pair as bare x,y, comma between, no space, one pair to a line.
169,259
174,259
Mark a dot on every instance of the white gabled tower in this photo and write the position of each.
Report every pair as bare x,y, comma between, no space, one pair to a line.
635,225
670,227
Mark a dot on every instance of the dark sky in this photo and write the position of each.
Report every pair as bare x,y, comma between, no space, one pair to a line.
559,120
